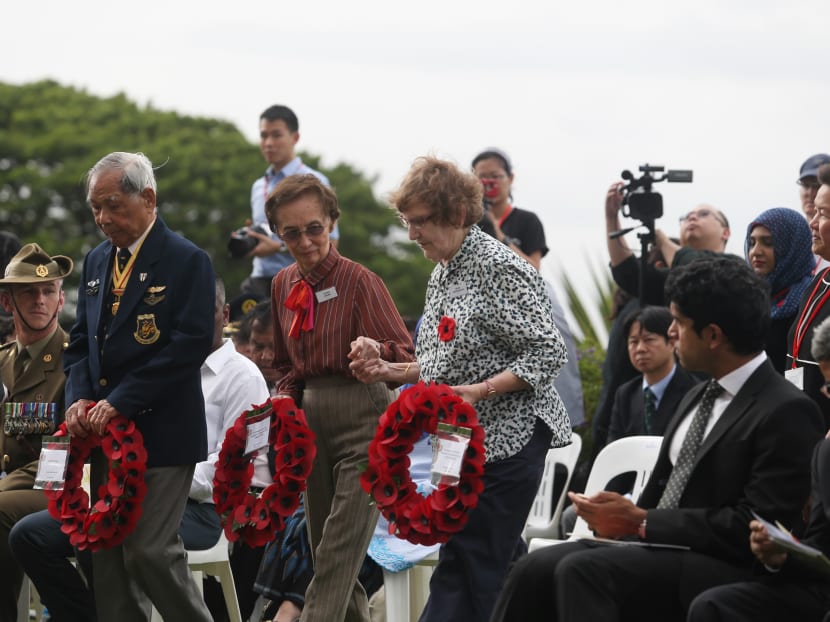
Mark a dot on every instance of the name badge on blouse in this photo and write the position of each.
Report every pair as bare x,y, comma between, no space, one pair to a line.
796,376
326,294
458,289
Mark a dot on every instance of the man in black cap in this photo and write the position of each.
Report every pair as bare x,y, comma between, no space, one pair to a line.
809,184
31,368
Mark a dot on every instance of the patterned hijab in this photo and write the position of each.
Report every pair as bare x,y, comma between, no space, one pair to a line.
792,244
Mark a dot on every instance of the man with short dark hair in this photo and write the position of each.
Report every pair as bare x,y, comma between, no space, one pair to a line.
279,131
789,587
738,443
144,327
645,404
31,367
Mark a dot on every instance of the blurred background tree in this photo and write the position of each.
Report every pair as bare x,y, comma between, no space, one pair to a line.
50,135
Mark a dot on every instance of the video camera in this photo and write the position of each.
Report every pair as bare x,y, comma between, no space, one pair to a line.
642,202
240,243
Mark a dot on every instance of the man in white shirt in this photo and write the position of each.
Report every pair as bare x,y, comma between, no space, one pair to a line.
231,384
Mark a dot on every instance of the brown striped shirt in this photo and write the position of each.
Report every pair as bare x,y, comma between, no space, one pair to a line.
362,306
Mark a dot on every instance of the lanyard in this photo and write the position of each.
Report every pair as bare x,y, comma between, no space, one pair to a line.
120,277
505,215
808,314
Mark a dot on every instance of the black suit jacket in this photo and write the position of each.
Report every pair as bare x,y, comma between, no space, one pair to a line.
628,412
148,366
757,457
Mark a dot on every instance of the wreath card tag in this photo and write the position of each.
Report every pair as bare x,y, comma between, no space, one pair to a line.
51,466
449,445
258,424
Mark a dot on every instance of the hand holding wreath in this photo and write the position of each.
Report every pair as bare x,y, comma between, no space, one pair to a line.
412,516
114,516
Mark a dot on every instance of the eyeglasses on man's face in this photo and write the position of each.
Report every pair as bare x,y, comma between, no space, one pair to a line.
702,213
312,231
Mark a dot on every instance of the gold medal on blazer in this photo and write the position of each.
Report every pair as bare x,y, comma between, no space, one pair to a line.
155,294
146,331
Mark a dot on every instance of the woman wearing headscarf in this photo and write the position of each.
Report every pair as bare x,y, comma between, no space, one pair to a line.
778,247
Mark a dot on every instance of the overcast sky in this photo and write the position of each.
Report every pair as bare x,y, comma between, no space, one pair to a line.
575,92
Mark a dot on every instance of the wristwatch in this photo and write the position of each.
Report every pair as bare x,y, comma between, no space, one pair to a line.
508,240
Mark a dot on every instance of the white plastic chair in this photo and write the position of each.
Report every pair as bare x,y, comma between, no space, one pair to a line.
543,520
215,562
632,453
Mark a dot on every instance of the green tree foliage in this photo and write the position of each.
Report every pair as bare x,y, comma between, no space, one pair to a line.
50,135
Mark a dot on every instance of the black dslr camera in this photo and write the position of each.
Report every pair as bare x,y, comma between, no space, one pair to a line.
240,243
642,202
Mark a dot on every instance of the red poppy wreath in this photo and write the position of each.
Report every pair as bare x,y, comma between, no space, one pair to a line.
114,516
256,518
411,515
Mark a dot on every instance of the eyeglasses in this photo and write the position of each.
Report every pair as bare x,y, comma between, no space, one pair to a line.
809,183
415,223
312,231
703,213
492,176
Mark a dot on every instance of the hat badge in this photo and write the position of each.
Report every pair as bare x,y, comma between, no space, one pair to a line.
42,271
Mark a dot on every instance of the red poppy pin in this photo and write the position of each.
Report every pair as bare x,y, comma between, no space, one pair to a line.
446,328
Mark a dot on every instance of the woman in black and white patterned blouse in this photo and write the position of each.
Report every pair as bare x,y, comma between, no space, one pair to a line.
487,332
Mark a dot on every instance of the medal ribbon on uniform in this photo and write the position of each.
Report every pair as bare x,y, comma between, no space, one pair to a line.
120,277
301,301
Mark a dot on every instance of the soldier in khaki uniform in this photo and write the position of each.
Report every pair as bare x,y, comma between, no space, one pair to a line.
32,371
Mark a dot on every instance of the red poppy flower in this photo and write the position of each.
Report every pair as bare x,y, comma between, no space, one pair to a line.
446,328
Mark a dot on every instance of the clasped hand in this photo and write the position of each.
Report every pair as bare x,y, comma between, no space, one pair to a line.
80,422
608,514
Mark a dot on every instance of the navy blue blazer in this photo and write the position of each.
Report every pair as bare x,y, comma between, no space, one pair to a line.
628,412
148,365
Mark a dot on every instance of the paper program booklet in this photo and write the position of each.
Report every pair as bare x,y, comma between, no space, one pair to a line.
807,554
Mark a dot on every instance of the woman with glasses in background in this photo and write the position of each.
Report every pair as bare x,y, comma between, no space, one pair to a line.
321,304
519,229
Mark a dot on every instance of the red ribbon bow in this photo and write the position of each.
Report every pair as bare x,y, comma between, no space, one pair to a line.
301,301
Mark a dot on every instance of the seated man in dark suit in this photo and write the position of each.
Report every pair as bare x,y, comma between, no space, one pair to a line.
786,588
737,443
645,404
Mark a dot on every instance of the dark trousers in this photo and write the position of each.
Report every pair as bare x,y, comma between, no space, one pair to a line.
768,600
43,551
17,499
473,564
576,581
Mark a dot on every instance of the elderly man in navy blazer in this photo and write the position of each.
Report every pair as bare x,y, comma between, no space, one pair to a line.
144,326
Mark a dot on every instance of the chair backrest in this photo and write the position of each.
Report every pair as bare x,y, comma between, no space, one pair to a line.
543,520
631,453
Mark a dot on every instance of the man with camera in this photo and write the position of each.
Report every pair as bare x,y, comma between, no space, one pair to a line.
278,136
704,231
